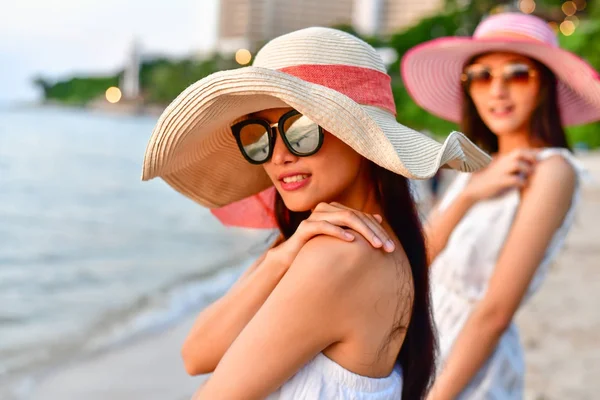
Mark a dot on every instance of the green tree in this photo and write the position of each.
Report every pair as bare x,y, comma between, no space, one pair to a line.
43,84
165,80
585,42
375,41
77,90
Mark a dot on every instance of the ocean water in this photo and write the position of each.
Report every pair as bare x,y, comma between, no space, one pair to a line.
90,256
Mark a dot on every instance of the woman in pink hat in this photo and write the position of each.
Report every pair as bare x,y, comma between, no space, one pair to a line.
493,235
338,308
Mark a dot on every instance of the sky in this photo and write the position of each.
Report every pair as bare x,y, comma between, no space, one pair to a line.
58,38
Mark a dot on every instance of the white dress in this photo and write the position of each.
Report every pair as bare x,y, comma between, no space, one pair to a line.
324,379
460,276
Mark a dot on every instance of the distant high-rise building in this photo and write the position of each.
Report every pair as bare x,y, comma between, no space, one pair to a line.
384,17
240,24
250,23
367,16
398,14
291,15
130,81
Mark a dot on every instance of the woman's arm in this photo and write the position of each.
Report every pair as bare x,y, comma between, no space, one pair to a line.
215,328
441,223
218,325
311,308
542,210
504,172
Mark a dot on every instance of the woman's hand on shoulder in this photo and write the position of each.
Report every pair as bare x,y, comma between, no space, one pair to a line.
335,220
509,171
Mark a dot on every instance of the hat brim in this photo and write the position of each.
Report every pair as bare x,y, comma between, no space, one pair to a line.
193,150
431,73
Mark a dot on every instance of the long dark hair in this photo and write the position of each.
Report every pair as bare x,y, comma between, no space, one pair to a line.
417,355
546,125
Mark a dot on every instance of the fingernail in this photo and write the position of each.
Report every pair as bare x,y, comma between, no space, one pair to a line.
377,241
389,245
378,217
349,235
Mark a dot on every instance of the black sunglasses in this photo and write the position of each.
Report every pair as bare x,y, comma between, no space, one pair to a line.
256,137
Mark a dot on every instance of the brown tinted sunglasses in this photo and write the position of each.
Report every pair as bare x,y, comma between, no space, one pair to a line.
512,74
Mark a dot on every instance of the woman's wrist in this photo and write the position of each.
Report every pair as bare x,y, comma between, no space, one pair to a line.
274,262
437,392
468,198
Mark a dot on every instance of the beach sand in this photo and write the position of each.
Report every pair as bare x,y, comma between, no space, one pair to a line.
560,326
559,329
149,369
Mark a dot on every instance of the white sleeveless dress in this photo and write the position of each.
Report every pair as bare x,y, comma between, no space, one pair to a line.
324,379
460,276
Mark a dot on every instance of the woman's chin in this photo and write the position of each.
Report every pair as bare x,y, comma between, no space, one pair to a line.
299,206
299,203
505,128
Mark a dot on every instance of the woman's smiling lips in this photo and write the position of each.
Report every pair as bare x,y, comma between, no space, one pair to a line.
294,180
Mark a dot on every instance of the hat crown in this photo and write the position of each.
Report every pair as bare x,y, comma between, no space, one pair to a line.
512,24
318,46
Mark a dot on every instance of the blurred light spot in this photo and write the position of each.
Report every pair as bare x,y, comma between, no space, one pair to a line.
554,26
527,6
243,56
113,94
581,4
567,28
387,54
574,20
569,8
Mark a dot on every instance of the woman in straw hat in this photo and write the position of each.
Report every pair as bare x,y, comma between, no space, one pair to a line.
338,307
495,232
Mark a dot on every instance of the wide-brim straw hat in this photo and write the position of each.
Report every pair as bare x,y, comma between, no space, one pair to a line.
332,77
431,71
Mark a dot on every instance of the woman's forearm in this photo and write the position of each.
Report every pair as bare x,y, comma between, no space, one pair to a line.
219,324
440,224
474,345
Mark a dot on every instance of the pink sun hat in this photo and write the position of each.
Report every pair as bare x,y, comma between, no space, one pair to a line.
431,71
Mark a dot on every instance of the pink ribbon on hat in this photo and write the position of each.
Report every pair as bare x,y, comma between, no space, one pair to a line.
363,85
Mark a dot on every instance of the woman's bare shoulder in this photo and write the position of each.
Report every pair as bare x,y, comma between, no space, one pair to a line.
554,175
346,263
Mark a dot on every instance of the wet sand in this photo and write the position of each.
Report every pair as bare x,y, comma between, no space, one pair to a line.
150,369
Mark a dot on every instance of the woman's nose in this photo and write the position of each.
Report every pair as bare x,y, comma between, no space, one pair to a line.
498,87
281,154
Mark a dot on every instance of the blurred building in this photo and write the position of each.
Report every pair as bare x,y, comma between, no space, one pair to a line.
130,80
250,23
384,17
